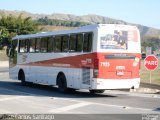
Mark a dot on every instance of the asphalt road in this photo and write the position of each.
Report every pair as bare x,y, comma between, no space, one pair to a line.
38,99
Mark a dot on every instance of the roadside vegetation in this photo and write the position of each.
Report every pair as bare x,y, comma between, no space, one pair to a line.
150,41
54,22
11,26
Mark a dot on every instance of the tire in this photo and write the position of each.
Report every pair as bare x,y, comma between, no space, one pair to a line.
22,78
62,84
96,91
71,90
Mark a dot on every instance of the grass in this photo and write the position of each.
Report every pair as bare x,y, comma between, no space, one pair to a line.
155,75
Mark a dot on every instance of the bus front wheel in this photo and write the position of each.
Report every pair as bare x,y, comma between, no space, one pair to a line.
21,77
62,83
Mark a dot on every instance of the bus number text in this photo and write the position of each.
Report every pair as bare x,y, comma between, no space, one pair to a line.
104,64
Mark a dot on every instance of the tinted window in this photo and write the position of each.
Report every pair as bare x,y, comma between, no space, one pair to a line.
38,45
72,43
76,43
79,42
44,44
65,43
50,44
23,46
35,44
32,45
87,43
57,44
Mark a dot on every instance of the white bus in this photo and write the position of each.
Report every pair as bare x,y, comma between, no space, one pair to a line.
93,57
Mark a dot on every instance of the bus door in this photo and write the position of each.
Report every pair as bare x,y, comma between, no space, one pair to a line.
12,53
86,77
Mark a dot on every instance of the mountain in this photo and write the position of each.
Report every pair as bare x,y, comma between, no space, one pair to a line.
91,19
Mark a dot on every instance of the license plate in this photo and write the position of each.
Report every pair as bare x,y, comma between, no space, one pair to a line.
120,73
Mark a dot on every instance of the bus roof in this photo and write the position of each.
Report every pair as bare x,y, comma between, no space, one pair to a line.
87,28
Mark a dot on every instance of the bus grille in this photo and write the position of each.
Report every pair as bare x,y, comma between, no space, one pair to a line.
86,76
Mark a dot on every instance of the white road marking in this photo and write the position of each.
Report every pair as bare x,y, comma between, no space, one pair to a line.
11,98
5,111
102,104
70,107
80,103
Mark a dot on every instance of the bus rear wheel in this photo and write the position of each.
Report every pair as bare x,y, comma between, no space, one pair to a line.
21,77
96,91
62,84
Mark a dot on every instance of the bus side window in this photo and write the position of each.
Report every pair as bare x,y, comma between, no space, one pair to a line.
23,46
38,44
87,43
44,44
50,44
65,43
76,43
32,45
72,43
79,42
57,44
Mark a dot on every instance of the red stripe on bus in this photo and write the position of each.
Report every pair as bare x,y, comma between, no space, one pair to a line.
110,68
78,61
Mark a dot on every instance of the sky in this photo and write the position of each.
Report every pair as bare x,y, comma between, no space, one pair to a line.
145,12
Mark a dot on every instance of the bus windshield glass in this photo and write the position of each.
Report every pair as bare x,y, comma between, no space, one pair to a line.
118,39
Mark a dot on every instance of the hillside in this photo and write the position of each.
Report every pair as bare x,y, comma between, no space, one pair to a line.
91,19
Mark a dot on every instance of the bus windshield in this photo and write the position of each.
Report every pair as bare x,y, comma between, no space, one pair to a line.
118,39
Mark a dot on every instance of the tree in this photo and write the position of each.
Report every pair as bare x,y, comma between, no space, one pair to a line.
55,22
3,37
11,26
150,41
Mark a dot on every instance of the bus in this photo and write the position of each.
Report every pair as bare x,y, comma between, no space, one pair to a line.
93,57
